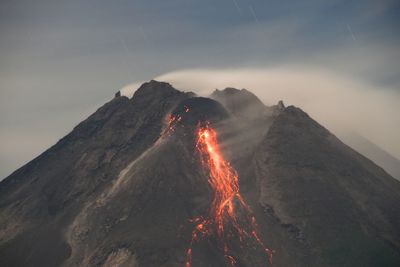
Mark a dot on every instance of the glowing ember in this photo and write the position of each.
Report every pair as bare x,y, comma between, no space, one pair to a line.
223,220
171,124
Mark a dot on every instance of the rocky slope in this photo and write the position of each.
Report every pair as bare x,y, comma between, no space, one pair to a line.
121,189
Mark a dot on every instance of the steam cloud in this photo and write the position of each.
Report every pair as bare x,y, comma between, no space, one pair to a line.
341,103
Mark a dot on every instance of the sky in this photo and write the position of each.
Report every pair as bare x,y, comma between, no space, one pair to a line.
61,60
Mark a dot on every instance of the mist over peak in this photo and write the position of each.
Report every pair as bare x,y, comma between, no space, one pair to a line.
340,102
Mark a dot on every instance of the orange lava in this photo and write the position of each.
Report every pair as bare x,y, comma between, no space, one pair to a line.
222,220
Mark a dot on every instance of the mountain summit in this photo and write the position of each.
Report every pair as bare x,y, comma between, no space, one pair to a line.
168,178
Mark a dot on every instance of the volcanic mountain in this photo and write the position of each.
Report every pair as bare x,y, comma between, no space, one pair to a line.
167,178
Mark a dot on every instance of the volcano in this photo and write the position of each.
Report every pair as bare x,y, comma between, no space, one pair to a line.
168,178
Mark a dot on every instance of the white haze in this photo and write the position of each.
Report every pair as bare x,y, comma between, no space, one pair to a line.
339,102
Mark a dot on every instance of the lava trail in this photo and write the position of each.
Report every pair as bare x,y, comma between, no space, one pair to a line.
223,221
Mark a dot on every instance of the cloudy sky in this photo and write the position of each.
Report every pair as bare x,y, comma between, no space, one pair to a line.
60,60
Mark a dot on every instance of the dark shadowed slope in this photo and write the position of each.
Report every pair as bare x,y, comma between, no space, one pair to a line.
122,187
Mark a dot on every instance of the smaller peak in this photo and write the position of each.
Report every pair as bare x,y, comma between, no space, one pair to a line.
241,103
237,95
117,94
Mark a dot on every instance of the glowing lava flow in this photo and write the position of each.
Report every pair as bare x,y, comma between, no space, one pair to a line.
223,220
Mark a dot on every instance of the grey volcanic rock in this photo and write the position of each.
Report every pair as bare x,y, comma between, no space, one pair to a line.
120,189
